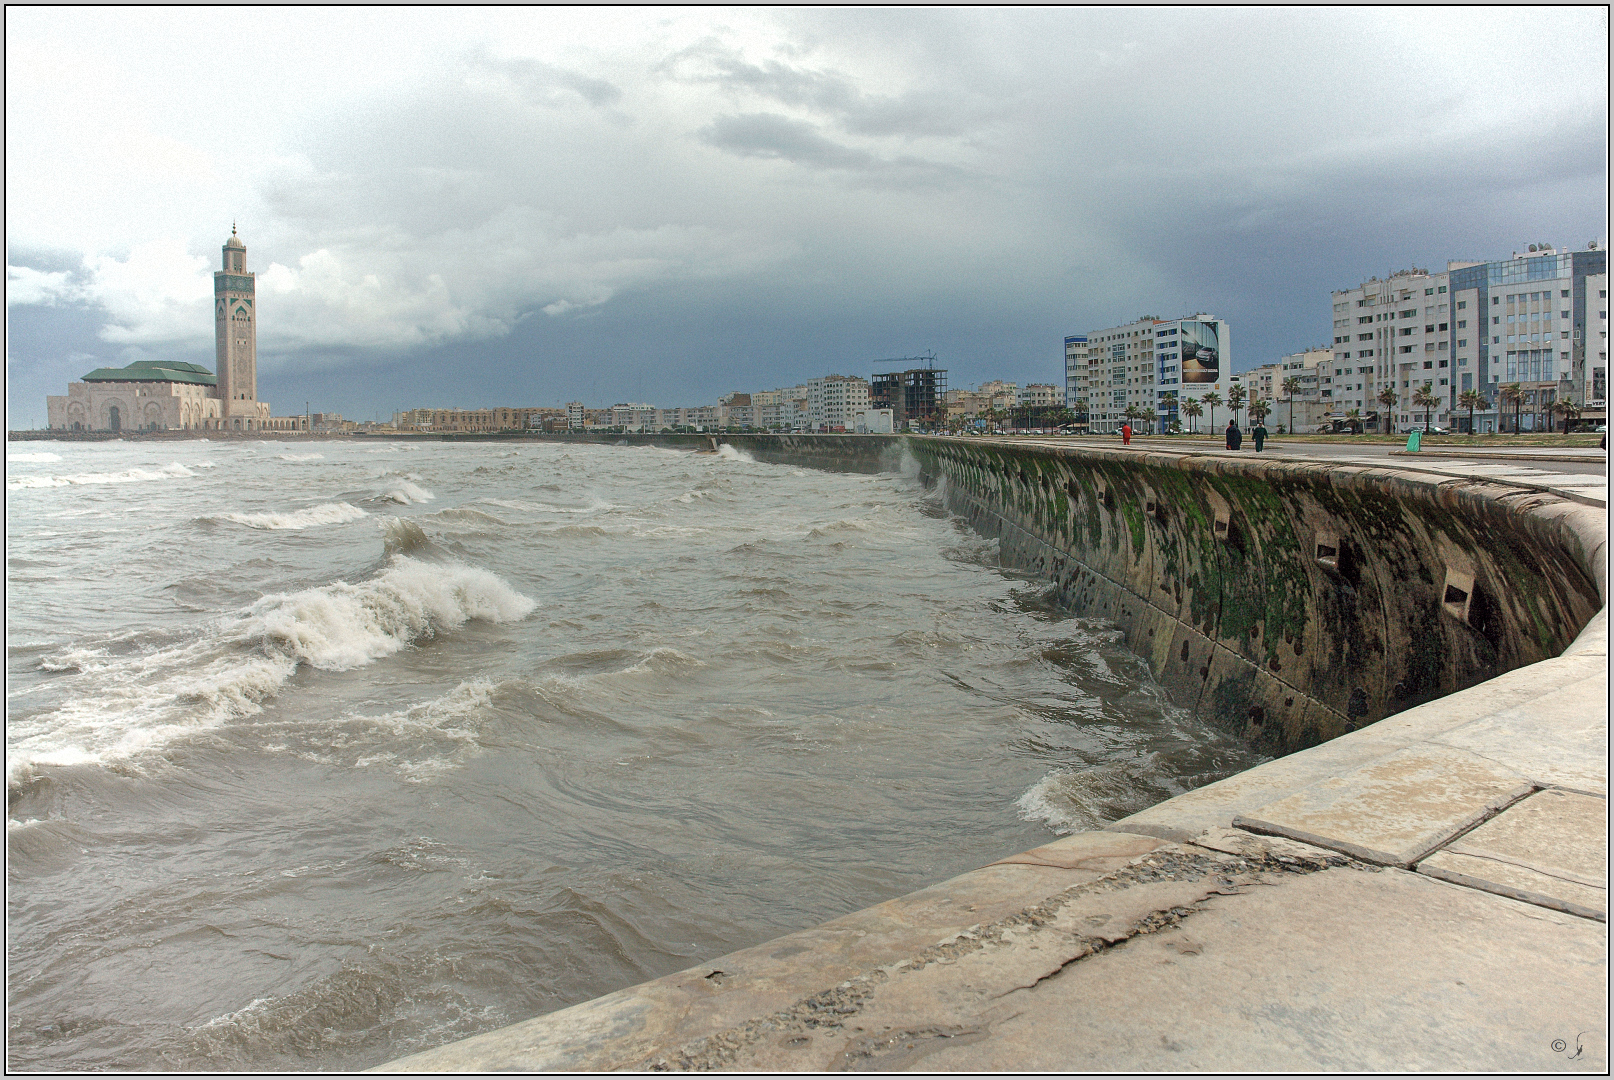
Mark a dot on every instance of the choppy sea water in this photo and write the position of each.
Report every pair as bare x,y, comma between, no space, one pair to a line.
319,754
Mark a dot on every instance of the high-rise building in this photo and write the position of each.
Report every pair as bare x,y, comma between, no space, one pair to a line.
1392,334
1476,326
1076,376
914,396
834,401
1539,319
1140,372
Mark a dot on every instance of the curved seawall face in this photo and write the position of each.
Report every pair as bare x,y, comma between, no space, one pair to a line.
1290,601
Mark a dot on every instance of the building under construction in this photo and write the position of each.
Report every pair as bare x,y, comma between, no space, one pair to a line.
913,394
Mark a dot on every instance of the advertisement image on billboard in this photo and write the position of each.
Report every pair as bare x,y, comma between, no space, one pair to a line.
1201,353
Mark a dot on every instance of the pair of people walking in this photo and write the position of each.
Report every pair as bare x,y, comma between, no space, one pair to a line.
1235,437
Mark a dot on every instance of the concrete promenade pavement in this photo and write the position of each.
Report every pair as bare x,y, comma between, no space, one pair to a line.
1428,892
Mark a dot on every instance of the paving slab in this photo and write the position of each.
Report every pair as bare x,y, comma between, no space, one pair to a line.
1336,968
1190,814
1549,849
1339,971
1395,810
1555,740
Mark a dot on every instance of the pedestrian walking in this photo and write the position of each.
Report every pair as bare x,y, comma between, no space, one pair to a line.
1259,434
1235,437
1126,434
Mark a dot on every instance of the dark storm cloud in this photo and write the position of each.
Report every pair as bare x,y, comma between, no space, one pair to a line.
46,260
610,206
833,94
769,135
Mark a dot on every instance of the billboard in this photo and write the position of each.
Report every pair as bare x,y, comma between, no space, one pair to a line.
1201,352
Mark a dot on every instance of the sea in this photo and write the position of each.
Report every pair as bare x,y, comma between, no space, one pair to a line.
320,753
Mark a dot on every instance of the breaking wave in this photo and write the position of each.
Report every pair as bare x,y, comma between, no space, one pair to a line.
132,703
1076,800
407,492
172,471
323,514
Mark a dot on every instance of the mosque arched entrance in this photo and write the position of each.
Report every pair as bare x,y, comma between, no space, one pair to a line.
114,419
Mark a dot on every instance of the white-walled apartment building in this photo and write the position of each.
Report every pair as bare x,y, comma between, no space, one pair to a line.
1538,319
1304,409
1153,364
1076,375
834,402
1394,334
1038,394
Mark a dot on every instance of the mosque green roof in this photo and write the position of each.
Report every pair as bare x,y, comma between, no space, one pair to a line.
154,371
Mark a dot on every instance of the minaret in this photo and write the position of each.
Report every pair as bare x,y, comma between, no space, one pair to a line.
236,334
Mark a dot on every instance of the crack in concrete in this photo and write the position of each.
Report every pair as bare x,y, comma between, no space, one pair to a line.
832,1008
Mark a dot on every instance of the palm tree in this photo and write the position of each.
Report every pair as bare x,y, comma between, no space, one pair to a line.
1388,398
1193,410
1235,400
1424,397
1566,409
1471,400
1354,418
1291,387
1212,399
1259,410
1512,394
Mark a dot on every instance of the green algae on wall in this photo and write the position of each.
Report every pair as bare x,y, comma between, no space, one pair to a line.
1244,619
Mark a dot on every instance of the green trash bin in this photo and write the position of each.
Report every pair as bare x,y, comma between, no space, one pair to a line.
1415,441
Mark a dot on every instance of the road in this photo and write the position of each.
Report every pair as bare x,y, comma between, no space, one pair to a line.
1547,459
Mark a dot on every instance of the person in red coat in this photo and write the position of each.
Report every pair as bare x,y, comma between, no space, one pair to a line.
1126,434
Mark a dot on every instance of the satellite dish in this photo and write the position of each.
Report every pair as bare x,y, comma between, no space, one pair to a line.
1532,247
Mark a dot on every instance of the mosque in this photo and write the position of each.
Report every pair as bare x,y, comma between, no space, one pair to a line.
161,395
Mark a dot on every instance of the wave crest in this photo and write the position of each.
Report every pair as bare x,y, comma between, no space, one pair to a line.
407,493
341,626
402,536
172,471
323,514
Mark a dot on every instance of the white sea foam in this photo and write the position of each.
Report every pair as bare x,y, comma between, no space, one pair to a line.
131,703
423,740
34,457
340,626
323,514
729,453
301,457
172,471
406,492
1072,800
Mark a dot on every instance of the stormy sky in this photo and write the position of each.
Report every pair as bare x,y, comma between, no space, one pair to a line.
526,207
